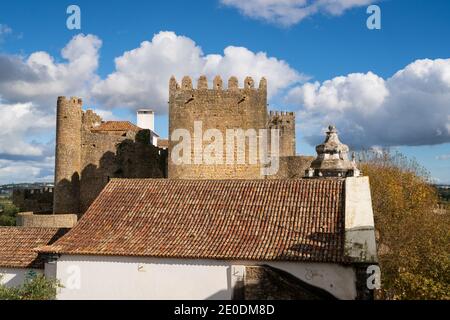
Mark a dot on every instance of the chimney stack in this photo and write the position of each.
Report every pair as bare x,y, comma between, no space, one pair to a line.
146,119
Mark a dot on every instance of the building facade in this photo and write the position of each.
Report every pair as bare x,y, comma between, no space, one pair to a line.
221,239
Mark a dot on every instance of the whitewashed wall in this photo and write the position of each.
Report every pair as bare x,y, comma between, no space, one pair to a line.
103,277
12,277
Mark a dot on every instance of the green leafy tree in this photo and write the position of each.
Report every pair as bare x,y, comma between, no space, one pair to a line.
8,212
35,287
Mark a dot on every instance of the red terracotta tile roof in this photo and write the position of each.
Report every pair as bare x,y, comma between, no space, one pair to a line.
116,126
17,245
296,220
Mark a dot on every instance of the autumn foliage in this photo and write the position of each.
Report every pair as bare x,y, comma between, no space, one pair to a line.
413,237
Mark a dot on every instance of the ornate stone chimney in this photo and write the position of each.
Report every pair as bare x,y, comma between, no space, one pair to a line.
332,158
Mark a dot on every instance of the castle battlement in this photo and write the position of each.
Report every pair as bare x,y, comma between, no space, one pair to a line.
285,122
282,119
71,100
247,104
202,84
282,114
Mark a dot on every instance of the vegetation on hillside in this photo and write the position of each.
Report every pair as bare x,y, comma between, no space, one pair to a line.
444,195
413,237
8,212
35,287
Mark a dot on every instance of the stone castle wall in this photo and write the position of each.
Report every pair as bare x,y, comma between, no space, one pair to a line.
110,156
285,123
31,220
36,200
292,167
85,160
68,155
223,109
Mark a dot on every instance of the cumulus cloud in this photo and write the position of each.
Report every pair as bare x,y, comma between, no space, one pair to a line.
39,79
410,108
18,122
290,12
106,115
23,159
29,87
142,75
17,171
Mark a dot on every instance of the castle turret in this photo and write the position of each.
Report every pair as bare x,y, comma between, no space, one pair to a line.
285,123
332,158
67,155
222,109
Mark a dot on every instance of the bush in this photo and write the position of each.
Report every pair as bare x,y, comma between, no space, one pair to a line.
413,239
8,213
35,287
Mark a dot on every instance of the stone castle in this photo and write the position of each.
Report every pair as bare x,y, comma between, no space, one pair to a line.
306,232
90,151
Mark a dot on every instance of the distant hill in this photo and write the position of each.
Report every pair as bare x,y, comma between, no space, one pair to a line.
444,192
7,189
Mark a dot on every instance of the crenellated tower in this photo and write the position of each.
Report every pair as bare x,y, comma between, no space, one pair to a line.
285,122
219,108
68,155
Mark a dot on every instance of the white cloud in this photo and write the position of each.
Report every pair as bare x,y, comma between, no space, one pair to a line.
142,75
41,80
443,157
18,122
4,29
26,171
29,87
410,108
289,12
241,62
106,115
357,89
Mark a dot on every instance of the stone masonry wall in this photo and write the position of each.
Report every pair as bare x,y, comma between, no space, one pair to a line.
293,167
86,160
285,122
107,156
67,155
31,220
36,200
221,109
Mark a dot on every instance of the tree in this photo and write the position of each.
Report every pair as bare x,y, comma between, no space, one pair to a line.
35,287
413,239
8,212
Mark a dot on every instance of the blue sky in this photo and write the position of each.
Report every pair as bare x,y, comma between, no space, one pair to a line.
410,111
